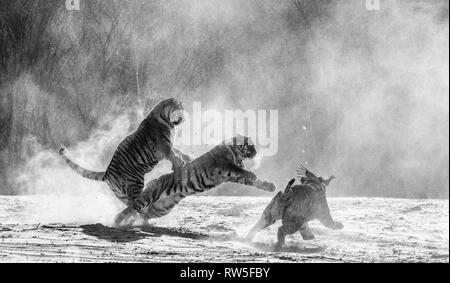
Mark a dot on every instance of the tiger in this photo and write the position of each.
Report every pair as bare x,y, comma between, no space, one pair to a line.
296,206
223,164
140,152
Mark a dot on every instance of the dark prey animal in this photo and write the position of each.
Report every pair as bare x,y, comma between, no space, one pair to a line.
296,206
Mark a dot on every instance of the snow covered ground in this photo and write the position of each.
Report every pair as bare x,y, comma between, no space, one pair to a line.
64,229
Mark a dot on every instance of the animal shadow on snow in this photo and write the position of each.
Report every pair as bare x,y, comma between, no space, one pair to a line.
131,234
295,247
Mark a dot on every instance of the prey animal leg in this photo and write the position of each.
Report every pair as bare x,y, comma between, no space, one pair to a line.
288,228
306,233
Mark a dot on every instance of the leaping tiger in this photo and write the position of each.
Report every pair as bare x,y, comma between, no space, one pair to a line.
224,163
139,153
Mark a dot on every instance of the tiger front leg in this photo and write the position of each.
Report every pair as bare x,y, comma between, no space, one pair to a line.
186,157
259,184
263,185
172,156
236,174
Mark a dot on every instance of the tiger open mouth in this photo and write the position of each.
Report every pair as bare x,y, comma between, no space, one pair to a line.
179,122
252,153
177,117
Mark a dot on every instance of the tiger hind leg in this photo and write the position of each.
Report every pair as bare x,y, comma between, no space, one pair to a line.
134,201
124,216
128,216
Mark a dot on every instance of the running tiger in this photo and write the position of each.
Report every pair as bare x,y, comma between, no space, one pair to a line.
139,153
224,163
296,206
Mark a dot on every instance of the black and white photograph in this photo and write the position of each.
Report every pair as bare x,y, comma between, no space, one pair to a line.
224,131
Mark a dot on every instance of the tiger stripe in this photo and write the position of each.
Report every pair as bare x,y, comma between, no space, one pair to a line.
222,164
139,153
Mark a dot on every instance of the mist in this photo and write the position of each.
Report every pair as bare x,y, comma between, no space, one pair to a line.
362,95
385,81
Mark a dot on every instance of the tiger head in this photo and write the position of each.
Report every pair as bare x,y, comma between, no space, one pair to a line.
243,147
169,111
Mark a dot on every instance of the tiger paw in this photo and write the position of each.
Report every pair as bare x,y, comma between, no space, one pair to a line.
270,187
266,186
252,177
